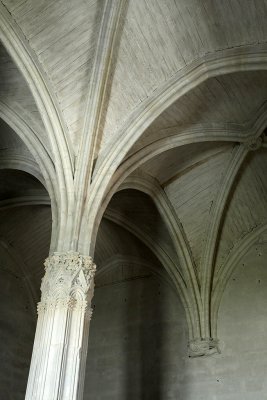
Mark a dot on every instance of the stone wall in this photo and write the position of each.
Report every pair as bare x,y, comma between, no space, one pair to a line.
138,341
17,328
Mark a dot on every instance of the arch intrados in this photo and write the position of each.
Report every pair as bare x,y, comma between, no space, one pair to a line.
143,156
33,144
190,136
24,166
48,175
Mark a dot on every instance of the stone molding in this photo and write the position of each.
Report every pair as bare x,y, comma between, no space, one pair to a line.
68,282
203,347
209,65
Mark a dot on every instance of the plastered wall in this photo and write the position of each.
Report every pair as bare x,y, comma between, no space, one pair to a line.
17,328
138,340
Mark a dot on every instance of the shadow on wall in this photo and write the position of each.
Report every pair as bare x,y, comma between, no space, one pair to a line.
138,341
143,342
17,327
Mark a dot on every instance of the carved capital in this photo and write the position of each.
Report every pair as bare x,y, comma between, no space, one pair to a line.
253,144
203,347
68,281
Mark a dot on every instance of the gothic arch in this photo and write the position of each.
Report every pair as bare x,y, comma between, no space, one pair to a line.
223,62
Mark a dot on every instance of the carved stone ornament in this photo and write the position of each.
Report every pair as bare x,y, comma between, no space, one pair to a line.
253,144
68,281
203,347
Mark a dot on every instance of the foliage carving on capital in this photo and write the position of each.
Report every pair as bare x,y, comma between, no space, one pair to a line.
68,281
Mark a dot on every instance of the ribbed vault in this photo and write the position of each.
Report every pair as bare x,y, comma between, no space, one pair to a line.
142,123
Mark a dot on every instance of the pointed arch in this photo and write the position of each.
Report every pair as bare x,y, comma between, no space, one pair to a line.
43,159
247,58
27,62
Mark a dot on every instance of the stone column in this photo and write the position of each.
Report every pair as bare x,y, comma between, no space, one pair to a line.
59,354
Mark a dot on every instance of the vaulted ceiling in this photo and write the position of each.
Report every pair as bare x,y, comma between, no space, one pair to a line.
160,106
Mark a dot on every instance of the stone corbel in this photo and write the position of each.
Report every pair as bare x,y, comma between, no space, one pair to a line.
203,347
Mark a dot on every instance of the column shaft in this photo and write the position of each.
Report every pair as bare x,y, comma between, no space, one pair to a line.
59,354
